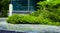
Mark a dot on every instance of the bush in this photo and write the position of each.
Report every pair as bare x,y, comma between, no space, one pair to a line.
28,19
49,9
21,19
13,19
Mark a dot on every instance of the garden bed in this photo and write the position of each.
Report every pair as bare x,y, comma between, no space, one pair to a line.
29,28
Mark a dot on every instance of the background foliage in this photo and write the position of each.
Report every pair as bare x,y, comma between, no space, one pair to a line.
4,6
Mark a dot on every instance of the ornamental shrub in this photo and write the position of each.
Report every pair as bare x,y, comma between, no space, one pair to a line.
49,9
21,19
24,19
28,19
